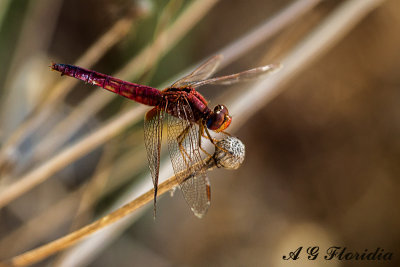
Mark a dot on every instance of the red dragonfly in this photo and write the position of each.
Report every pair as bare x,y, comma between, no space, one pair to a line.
189,119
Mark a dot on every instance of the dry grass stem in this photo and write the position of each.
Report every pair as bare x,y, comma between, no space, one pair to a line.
62,131
55,217
92,192
86,144
42,252
95,186
65,208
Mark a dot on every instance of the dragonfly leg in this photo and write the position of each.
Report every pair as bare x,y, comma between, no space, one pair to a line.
208,136
183,152
201,133
183,134
181,137
214,141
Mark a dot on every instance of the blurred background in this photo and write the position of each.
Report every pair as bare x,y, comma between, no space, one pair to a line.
322,153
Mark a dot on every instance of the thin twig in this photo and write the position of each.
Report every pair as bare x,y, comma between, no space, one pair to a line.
33,230
62,210
42,252
85,145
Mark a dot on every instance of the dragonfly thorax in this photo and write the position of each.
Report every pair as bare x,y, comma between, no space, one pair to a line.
219,119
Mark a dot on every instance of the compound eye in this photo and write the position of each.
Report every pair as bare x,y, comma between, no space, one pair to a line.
220,119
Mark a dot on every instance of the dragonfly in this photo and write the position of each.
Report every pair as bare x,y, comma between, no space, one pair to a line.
188,116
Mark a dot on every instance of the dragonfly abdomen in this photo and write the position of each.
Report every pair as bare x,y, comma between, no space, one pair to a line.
139,93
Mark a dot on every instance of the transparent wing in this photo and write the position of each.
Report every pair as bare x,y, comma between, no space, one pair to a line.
203,72
153,125
183,146
239,77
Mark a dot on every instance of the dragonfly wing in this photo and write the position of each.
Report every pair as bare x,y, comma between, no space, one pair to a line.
203,72
183,146
153,125
239,77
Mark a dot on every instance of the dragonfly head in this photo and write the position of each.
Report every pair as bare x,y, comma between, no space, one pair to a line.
219,120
